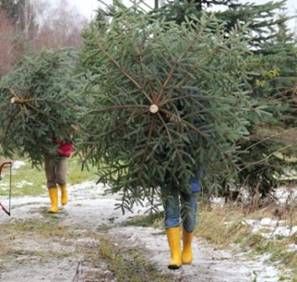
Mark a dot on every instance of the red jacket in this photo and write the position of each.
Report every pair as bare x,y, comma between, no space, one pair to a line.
65,149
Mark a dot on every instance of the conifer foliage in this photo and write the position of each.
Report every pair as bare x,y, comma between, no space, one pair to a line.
165,101
272,84
37,104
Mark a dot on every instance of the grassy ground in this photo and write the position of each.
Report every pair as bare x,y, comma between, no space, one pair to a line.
92,249
221,226
28,181
129,264
225,225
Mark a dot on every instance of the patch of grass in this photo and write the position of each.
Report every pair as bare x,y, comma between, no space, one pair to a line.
215,226
102,259
16,238
224,226
3,249
278,250
288,213
40,255
47,228
154,220
129,265
125,264
28,181
25,181
77,175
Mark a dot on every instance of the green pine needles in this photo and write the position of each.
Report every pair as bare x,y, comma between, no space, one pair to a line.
165,101
37,104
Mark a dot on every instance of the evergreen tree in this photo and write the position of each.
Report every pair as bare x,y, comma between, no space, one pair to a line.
273,86
37,104
261,18
165,101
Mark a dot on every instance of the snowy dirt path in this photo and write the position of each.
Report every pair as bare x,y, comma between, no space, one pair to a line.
36,246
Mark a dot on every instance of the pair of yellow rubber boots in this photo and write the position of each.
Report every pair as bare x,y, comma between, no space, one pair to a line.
53,195
179,257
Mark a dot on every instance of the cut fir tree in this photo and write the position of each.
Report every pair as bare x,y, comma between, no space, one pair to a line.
166,101
38,105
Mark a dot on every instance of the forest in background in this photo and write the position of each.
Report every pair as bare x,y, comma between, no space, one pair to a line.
30,26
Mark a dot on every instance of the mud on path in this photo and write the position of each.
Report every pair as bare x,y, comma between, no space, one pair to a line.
89,241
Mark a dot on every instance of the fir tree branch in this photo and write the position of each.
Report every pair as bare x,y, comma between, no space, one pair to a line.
124,72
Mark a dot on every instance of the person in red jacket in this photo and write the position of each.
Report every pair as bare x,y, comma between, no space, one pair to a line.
56,171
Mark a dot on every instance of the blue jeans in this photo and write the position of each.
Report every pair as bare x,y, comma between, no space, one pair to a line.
181,207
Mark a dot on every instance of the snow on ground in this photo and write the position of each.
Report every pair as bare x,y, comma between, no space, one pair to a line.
271,228
23,183
4,186
17,164
268,227
285,195
218,201
292,248
210,264
90,209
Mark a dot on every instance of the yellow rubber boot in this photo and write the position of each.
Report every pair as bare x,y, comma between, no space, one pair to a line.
53,194
173,236
187,255
64,194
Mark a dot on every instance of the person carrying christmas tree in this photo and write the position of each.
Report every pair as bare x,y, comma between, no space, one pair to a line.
56,171
38,112
173,106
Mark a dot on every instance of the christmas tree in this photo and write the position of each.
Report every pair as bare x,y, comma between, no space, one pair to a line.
165,101
38,104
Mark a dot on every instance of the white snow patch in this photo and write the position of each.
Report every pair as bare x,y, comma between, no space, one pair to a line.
284,231
86,185
4,185
18,164
23,183
245,195
268,221
218,201
209,264
292,247
285,195
271,228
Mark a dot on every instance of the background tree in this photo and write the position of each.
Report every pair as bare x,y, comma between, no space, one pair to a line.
272,84
27,26
18,27
22,14
14,9
7,50
60,27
